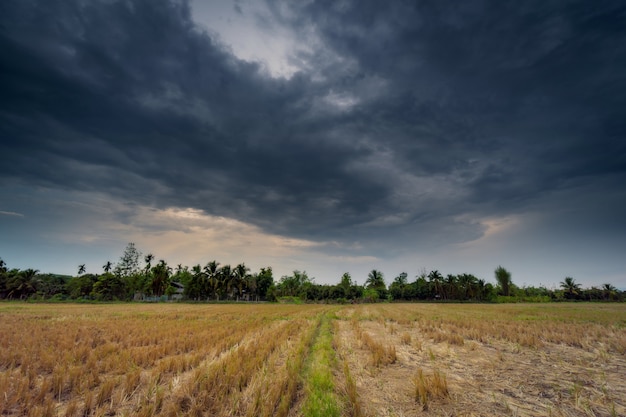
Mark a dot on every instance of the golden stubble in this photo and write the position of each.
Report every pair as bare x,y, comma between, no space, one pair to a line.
251,359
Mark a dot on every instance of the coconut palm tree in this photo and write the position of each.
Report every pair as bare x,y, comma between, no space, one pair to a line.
481,289
570,287
609,291
196,288
451,285
252,286
22,284
240,277
211,271
436,281
148,260
160,278
3,279
375,280
225,280
467,286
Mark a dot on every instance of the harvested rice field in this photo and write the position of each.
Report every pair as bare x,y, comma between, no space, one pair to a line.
383,359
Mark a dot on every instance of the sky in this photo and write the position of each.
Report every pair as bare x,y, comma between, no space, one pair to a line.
320,136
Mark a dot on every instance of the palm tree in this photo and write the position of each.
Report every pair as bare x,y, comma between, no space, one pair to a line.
160,278
451,286
252,286
225,280
401,279
107,267
240,277
436,280
212,278
81,269
609,291
467,284
3,279
22,284
148,260
196,288
375,280
481,288
570,287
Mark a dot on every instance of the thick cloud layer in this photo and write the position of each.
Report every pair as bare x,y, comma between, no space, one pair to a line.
410,122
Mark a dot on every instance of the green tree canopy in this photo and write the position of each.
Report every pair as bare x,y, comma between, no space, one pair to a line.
503,277
129,262
571,287
375,280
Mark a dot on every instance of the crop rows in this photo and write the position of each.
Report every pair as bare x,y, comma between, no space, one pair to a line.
307,360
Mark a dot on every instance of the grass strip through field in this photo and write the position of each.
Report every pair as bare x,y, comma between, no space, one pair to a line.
276,384
321,399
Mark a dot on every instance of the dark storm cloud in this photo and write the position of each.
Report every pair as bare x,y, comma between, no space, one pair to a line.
131,97
513,99
404,116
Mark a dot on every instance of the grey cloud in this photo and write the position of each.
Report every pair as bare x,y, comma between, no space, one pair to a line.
522,82
404,117
153,110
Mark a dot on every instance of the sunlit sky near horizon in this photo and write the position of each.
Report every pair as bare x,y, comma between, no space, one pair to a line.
324,136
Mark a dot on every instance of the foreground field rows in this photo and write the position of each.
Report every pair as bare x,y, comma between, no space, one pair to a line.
291,360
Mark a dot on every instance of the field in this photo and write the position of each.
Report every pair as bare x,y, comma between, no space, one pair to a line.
313,360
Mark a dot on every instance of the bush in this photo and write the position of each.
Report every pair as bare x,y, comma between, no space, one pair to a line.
371,295
289,300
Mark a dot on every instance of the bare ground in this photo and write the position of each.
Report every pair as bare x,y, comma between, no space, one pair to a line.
485,378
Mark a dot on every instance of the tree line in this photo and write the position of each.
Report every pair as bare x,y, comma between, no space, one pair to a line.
139,277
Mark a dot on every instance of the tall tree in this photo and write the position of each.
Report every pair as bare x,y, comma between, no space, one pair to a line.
212,282
107,267
422,289
224,281
345,285
108,287
398,286
468,284
265,281
129,262
451,286
571,288
503,277
481,289
196,288
81,286
160,278
240,278
3,279
148,261
22,284
609,291
81,269
436,281
375,280
51,284
295,285
252,287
